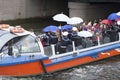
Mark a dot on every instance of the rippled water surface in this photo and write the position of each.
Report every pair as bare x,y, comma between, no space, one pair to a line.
107,69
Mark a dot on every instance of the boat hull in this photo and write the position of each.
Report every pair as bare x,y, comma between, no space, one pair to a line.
25,69
36,67
80,61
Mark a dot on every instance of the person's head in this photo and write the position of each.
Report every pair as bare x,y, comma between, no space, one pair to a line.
74,29
65,33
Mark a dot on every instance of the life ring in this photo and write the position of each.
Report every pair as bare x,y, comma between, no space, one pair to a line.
4,26
17,30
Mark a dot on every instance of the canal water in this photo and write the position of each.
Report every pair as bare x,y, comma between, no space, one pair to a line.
107,69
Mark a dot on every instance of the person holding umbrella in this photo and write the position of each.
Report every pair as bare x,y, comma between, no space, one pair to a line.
77,39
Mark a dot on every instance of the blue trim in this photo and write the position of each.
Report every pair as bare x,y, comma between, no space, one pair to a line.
7,61
92,53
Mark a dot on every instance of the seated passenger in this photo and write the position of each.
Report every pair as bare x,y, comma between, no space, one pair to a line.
46,40
112,35
53,38
87,42
65,41
77,39
73,32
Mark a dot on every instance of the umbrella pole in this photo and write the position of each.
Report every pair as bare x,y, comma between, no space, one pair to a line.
98,39
60,33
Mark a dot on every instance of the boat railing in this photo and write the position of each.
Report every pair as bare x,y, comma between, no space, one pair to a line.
81,50
119,36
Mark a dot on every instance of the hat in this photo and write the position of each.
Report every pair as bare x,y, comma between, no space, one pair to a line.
65,33
74,29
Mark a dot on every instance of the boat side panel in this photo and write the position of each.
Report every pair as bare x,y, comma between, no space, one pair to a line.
80,61
31,68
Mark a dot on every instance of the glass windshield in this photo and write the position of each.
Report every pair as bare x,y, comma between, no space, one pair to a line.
26,44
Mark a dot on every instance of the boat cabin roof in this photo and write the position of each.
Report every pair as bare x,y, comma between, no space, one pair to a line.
6,35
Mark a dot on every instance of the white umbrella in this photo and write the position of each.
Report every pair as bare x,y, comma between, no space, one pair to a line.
75,20
118,22
85,34
118,13
61,17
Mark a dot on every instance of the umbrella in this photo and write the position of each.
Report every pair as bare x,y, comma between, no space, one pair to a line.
118,19
85,34
75,20
61,17
118,22
118,13
51,28
106,21
113,16
67,27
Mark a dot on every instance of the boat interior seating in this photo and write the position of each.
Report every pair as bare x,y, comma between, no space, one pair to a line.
85,43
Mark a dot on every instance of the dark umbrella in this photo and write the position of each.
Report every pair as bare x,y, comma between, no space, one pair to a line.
51,28
67,27
113,16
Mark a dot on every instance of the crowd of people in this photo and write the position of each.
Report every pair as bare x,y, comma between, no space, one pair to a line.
63,38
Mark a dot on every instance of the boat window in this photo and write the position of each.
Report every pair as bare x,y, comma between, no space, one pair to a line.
28,44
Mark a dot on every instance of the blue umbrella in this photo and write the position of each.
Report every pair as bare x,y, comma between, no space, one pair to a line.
113,16
51,28
67,27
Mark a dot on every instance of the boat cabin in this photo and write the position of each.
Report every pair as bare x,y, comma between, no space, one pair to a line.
19,43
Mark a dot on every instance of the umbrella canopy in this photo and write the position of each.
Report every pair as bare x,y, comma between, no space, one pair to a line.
67,27
85,34
118,13
106,21
118,22
61,17
51,28
118,19
113,16
75,20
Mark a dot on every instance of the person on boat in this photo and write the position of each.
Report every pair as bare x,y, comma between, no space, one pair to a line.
45,39
58,34
105,35
87,42
65,41
97,37
53,39
10,49
50,38
74,37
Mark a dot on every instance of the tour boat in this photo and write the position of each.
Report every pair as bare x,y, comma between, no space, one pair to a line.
22,54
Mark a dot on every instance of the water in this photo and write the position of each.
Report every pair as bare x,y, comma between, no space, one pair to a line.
37,24
107,69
